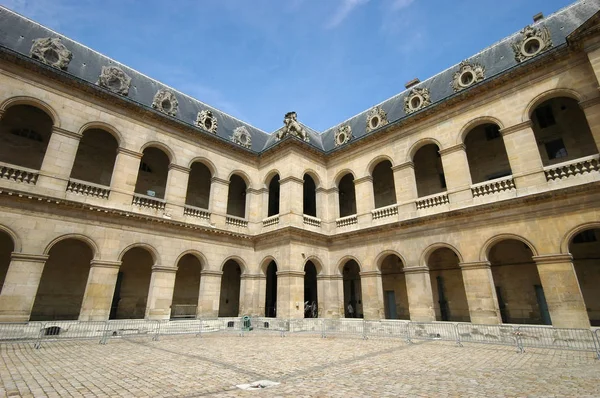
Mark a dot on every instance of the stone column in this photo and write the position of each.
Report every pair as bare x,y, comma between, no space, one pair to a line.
420,295
99,290
217,202
58,160
481,293
327,296
337,281
20,286
177,183
365,200
291,201
124,177
457,175
372,295
210,294
290,294
406,189
160,295
250,295
322,203
524,157
591,109
257,203
563,293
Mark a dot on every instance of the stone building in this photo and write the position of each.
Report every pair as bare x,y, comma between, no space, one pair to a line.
471,196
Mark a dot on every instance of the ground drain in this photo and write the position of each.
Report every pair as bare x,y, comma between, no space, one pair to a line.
258,385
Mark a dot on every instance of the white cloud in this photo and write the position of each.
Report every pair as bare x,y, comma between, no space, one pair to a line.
343,11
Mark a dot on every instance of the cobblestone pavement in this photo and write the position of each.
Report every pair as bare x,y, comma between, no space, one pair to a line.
306,366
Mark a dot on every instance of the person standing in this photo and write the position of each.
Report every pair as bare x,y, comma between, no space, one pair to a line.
350,310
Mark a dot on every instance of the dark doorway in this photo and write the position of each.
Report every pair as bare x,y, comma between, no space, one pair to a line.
271,293
311,309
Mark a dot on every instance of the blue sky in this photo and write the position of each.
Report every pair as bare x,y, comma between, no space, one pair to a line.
258,59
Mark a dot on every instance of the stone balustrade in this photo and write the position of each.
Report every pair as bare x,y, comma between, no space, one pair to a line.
346,221
236,221
18,173
272,220
148,202
493,186
312,221
88,189
196,212
572,168
437,199
383,212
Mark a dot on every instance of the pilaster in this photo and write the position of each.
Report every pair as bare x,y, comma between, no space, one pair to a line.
217,203
406,189
365,201
99,290
160,295
177,183
290,294
210,293
372,295
124,178
457,174
291,201
58,160
481,293
420,295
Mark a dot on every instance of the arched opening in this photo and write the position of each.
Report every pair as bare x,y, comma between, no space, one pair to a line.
133,283
310,196
429,172
311,309
449,296
60,293
384,190
198,189
236,197
518,287
273,196
187,287
486,153
395,294
7,246
24,135
585,249
229,303
562,131
271,292
95,158
347,196
153,173
352,290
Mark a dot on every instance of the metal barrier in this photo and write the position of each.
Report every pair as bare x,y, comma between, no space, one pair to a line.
71,330
386,328
433,331
20,332
278,325
488,334
180,327
344,326
562,339
130,328
227,325
308,326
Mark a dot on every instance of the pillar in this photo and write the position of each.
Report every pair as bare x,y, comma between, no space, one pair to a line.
160,295
217,202
290,294
372,295
20,286
124,177
322,203
250,288
337,281
210,294
593,54
99,290
291,201
457,175
420,295
406,189
365,201
591,109
524,157
58,160
561,288
327,296
481,293
177,183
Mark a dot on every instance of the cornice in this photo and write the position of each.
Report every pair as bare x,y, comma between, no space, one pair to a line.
402,166
331,277
416,270
253,276
363,179
553,259
105,264
589,103
210,272
173,166
370,274
219,181
452,149
161,268
66,133
517,127
475,265
291,273
129,152
291,179
33,258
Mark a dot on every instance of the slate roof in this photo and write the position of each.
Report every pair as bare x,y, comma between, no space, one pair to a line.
17,34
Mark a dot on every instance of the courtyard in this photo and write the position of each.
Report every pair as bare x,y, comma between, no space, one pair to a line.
305,366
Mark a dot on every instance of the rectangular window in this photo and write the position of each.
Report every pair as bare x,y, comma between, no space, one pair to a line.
545,116
556,149
492,132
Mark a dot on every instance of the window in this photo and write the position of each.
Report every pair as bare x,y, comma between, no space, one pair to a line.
28,133
545,116
492,132
556,149
144,167
585,237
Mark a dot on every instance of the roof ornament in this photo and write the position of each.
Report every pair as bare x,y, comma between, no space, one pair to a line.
343,134
376,118
241,136
51,51
207,121
417,99
292,127
114,79
467,75
166,102
533,42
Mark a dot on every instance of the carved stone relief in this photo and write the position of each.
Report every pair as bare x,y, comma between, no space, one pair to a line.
292,127
51,51
417,99
467,75
242,137
533,42
376,118
166,102
343,134
114,79
207,121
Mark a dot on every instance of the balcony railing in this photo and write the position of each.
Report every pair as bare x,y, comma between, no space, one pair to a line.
493,186
572,168
236,221
197,212
148,202
383,212
88,189
312,221
272,220
18,173
437,199
346,221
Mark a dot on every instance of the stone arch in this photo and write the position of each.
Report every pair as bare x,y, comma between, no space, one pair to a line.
238,260
242,175
264,264
381,256
439,245
343,261
547,95
568,237
419,144
341,175
25,100
153,252
163,147
316,262
373,163
269,176
485,250
15,238
470,125
103,126
206,162
314,175
89,241
201,257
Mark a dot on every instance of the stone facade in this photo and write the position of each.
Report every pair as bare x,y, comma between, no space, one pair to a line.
483,209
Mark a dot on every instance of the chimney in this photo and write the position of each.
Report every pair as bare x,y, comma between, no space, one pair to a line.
538,17
412,83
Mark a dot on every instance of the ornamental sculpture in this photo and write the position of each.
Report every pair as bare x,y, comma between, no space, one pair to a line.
343,134
52,52
241,136
467,75
533,42
417,99
114,79
207,121
376,118
292,127
166,102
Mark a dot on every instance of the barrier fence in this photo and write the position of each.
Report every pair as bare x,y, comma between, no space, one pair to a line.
520,337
